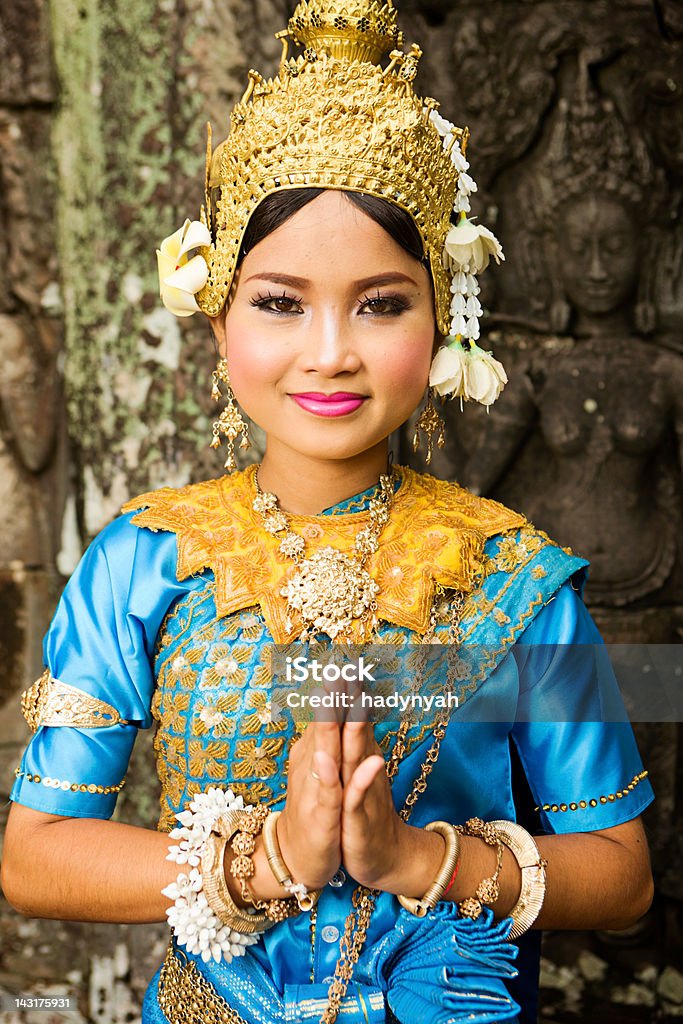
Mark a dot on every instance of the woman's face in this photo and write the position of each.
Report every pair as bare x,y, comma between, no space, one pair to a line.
330,332
599,254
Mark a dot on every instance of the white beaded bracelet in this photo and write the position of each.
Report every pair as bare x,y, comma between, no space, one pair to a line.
192,920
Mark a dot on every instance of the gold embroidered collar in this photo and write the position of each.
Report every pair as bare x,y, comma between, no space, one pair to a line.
435,534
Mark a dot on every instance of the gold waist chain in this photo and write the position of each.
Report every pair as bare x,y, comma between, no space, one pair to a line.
187,997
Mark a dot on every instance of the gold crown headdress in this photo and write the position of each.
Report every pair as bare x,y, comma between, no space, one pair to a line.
334,117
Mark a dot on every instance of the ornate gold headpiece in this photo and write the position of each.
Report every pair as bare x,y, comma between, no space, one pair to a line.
334,117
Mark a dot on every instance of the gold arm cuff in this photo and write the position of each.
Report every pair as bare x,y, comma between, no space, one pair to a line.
49,701
438,887
215,886
532,867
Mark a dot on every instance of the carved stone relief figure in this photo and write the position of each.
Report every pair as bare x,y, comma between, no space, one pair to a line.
662,117
596,402
587,438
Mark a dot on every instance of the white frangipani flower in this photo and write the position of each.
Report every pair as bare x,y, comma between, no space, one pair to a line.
467,374
180,278
447,372
486,376
470,246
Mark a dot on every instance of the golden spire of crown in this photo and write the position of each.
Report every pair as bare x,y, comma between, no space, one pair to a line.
364,30
336,116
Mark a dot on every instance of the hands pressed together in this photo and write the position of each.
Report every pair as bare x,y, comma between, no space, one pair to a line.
339,808
340,811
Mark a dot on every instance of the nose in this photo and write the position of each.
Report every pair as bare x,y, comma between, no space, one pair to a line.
597,271
330,347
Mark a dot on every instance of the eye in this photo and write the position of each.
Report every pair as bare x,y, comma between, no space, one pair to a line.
278,303
616,244
383,305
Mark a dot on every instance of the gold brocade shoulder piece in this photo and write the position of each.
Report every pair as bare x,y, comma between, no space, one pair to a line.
49,701
436,534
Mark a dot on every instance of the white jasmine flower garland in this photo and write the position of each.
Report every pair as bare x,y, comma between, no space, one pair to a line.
191,918
465,372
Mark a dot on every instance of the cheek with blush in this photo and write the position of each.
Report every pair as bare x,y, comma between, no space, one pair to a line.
408,368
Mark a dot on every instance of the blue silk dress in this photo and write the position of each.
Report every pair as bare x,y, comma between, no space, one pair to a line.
155,628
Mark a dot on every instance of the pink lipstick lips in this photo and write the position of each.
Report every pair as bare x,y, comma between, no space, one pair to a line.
340,403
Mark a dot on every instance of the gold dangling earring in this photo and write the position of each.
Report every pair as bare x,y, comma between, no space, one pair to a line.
230,423
430,421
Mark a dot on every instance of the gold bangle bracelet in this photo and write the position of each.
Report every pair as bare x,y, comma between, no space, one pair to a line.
277,865
434,893
229,823
532,867
215,886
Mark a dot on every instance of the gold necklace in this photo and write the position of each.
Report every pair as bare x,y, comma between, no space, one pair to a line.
331,589
315,592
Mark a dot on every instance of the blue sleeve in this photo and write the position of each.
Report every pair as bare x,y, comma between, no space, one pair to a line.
572,733
101,641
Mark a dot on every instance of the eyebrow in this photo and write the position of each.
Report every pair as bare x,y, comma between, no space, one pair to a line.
366,282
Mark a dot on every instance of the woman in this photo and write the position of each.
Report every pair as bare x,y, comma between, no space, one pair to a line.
321,260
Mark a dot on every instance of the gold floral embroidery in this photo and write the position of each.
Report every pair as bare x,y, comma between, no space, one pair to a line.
173,785
436,532
215,716
172,712
311,531
264,716
500,617
538,572
181,669
257,757
594,802
208,642
254,792
511,551
392,578
478,605
252,627
263,676
225,666
208,759
172,750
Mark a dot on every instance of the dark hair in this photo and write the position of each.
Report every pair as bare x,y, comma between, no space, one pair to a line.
278,207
